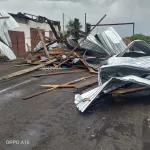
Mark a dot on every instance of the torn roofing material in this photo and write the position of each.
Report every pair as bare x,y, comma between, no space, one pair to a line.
139,45
112,41
108,43
7,51
71,40
123,66
82,104
5,25
92,44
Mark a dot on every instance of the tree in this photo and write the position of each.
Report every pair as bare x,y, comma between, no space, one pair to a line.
139,37
71,25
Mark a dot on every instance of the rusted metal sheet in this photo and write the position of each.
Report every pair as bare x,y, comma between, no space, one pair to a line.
35,38
18,42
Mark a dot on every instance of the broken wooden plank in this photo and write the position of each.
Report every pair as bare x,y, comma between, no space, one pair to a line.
45,91
86,83
44,45
21,72
52,52
39,93
58,73
78,80
81,59
58,85
128,90
55,68
71,82
21,65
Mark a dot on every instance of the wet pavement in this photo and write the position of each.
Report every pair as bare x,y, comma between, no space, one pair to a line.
51,121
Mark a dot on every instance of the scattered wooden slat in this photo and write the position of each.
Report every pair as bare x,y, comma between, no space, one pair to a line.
18,73
39,93
58,73
71,82
21,65
68,83
129,90
78,80
44,45
86,83
81,59
55,68
58,85
57,51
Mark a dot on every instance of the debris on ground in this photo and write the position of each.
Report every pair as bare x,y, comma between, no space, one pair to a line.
121,68
122,73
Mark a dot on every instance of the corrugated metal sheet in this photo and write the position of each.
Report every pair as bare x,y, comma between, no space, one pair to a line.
108,43
5,25
71,41
95,93
7,51
139,45
92,44
117,71
112,41
123,66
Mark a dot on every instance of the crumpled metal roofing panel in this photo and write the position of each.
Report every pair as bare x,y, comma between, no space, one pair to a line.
141,62
139,44
91,43
5,25
123,66
112,41
71,41
93,94
7,51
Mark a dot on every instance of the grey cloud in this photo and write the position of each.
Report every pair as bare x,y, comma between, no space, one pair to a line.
117,11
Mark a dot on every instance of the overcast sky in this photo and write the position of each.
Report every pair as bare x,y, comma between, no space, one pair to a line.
117,11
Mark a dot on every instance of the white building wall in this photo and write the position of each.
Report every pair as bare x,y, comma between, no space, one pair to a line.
26,29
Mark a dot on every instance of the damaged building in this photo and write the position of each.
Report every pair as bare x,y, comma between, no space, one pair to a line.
26,33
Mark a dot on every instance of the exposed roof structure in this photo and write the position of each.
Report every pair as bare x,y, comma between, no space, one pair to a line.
35,18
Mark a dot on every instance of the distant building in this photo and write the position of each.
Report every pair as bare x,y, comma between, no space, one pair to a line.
27,32
127,42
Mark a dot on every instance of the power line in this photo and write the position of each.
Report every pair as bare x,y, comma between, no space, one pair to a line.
68,17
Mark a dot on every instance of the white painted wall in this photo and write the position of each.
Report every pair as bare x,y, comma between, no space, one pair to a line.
31,24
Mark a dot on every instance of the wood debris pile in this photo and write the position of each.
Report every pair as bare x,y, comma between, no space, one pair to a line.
63,55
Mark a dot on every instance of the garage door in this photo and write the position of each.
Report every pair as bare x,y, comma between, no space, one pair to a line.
35,38
18,43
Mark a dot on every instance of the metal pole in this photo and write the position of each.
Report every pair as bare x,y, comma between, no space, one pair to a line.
113,24
133,28
85,22
63,22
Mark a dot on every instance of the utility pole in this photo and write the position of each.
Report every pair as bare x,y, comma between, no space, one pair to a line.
63,22
85,22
